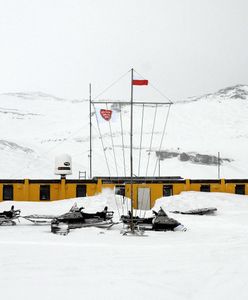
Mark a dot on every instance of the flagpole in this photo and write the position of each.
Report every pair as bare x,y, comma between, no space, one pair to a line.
90,131
131,150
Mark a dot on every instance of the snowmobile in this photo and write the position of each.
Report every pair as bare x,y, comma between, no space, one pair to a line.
76,218
159,222
8,217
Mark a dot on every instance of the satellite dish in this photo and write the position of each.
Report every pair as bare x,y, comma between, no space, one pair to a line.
63,165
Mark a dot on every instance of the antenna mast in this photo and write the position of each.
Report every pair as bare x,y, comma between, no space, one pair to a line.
131,151
90,156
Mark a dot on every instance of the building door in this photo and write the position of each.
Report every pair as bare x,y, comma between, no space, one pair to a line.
120,190
45,192
8,192
240,189
144,200
81,190
167,190
205,188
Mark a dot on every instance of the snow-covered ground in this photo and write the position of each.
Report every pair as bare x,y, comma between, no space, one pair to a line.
209,261
35,127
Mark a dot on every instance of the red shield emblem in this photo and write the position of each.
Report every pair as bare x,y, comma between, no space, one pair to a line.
106,114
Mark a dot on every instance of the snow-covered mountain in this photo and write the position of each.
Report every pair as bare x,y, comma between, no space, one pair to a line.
35,127
239,91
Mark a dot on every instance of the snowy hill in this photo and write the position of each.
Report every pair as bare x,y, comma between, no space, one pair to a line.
239,91
37,126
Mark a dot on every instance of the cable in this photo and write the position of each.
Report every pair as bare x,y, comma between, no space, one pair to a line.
149,152
162,138
141,135
103,148
122,138
112,142
156,89
113,83
102,136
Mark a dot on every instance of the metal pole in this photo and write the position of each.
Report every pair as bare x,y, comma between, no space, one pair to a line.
90,131
159,166
153,103
131,149
218,165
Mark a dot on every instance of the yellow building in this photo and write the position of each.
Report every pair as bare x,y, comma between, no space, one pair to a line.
146,189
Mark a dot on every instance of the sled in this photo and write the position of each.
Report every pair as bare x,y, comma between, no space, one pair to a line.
198,211
40,219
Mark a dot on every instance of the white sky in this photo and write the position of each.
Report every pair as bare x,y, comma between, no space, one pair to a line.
185,47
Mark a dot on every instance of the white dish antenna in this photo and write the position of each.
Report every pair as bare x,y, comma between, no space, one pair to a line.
63,165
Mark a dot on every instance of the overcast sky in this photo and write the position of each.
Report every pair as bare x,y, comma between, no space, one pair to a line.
184,47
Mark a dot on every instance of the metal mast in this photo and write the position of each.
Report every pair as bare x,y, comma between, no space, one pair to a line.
90,156
131,150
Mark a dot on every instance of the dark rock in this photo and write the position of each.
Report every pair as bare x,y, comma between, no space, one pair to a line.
193,157
166,154
184,156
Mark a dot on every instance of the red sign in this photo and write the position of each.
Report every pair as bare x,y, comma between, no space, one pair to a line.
106,114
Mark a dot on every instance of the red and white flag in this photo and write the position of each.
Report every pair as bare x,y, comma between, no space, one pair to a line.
139,81
106,114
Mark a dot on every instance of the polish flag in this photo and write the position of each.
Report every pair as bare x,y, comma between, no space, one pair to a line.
139,81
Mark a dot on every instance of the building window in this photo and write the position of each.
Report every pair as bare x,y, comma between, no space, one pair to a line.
8,192
167,190
205,188
81,190
45,192
240,189
120,190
